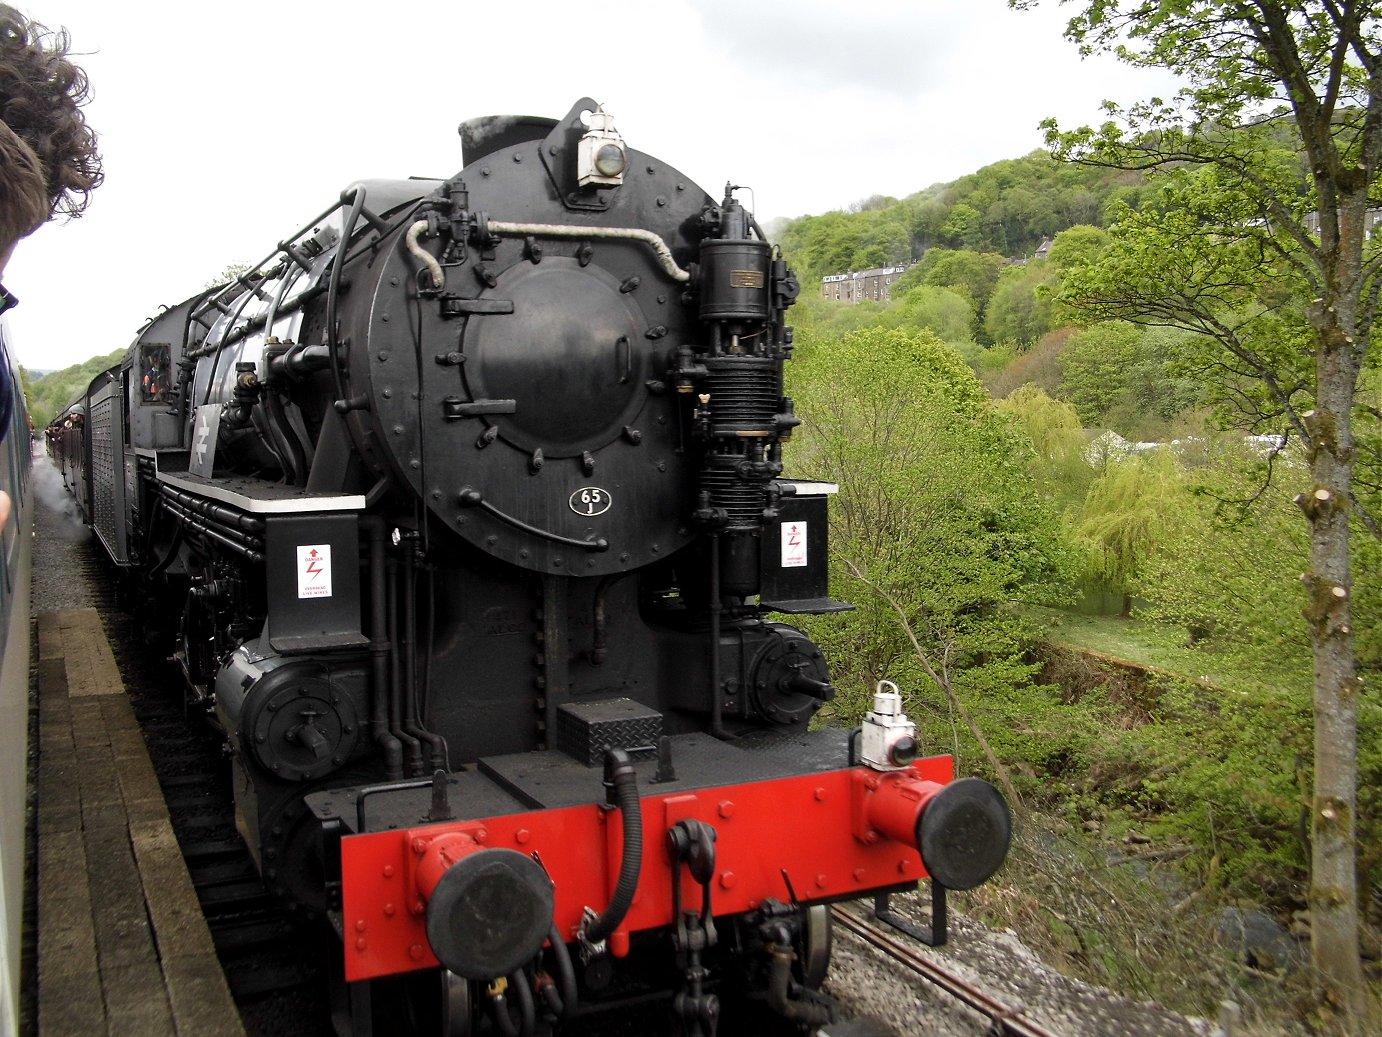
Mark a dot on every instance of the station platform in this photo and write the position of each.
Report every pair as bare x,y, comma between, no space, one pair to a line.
122,947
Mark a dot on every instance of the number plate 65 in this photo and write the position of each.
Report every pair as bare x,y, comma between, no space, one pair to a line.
590,500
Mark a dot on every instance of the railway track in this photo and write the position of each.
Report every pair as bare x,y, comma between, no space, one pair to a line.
1006,1020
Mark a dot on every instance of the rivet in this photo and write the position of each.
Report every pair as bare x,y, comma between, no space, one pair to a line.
859,874
484,171
383,356
398,430
517,157
726,808
820,795
417,907
904,864
385,318
481,835
415,952
820,882
522,836
419,845
661,202
388,871
728,879
389,910
360,925
360,944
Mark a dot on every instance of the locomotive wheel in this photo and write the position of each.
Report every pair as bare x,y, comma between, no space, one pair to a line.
813,952
457,1006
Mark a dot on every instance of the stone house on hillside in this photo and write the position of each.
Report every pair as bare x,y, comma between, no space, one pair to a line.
856,286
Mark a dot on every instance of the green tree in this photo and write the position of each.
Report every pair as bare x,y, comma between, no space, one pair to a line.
1058,444
936,513
1077,246
1232,252
964,227
946,313
972,274
1020,309
1123,519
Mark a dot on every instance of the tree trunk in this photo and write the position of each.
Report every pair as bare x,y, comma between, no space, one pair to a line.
1333,876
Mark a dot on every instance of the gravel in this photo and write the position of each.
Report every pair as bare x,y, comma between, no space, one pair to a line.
868,983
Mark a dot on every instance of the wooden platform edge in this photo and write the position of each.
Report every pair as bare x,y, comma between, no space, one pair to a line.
95,775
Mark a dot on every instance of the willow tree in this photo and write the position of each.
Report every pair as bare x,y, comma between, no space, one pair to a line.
1260,243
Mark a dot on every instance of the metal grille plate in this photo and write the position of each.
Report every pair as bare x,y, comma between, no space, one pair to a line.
586,729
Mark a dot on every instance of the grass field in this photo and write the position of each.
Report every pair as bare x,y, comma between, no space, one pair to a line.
1155,646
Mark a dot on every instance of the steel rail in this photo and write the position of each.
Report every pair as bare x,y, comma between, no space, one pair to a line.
1007,1019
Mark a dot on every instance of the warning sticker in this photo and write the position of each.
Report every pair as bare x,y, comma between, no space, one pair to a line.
793,545
314,571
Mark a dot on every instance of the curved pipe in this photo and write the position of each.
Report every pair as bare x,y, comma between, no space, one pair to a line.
333,291
471,497
423,256
566,973
779,993
563,230
623,783
523,994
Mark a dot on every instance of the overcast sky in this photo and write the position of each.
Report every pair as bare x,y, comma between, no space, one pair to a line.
224,127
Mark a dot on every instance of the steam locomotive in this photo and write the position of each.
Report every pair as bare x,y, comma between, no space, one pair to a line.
464,510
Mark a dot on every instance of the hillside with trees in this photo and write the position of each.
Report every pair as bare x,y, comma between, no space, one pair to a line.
1194,376
48,395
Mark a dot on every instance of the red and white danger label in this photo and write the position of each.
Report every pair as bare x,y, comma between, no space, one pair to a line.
314,571
793,545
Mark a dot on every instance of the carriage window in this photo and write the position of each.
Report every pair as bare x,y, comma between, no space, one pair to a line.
155,379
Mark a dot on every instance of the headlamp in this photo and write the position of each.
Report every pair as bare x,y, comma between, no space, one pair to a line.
601,157
610,160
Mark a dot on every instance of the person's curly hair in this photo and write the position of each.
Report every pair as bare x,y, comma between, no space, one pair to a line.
41,94
24,201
